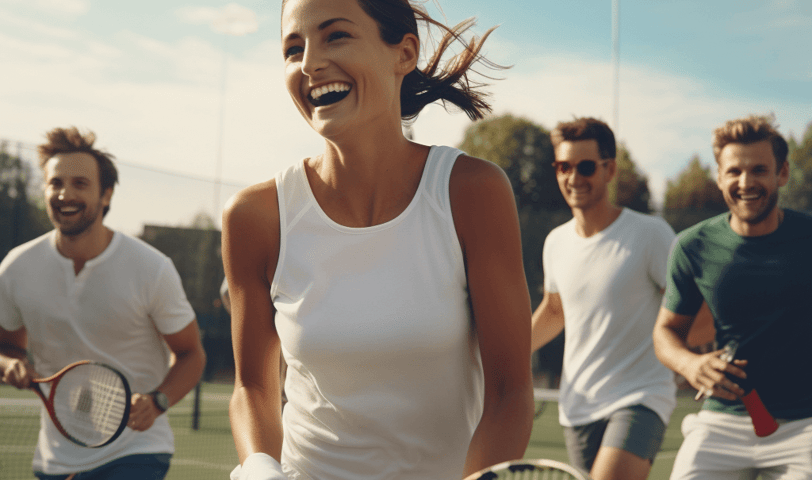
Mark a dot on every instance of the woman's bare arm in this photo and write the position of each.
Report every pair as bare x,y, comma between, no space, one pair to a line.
250,252
487,224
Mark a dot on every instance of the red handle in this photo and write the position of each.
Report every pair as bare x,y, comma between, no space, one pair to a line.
763,422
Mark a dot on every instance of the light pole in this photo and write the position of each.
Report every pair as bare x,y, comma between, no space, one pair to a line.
616,67
232,20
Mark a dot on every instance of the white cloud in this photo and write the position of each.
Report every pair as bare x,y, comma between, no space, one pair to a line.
791,22
65,7
235,20
71,7
21,50
15,21
197,15
232,19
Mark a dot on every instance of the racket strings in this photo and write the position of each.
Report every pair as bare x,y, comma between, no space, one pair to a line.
538,473
90,403
532,470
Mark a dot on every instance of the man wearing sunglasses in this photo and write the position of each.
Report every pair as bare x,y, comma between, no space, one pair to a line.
604,274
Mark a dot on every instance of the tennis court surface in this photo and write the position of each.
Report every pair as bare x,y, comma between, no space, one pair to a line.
208,452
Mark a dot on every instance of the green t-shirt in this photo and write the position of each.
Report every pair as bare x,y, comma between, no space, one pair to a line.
759,290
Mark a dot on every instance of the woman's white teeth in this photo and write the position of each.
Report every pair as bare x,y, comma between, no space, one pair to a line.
333,87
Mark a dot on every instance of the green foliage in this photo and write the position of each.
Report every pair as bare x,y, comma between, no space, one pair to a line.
629,188
203,221
797,194
524,152
21,218
693,197
195,252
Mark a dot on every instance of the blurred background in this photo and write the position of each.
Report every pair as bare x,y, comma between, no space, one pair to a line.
189,97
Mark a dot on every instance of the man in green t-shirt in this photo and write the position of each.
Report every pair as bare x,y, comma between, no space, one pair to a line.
753,266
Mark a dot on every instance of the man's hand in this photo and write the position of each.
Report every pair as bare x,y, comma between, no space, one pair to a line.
707,372
143,412
18,373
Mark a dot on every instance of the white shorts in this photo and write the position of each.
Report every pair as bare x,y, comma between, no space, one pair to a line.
721,446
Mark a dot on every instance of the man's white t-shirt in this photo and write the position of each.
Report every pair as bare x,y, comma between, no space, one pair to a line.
114,311
610,286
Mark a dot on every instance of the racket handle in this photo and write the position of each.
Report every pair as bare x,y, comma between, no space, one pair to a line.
763,422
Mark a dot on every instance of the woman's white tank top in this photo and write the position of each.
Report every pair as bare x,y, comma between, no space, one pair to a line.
384,375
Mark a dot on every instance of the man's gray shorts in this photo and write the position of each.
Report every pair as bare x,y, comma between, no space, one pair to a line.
635,429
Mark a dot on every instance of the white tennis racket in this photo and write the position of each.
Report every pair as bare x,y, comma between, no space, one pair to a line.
89,402
540,469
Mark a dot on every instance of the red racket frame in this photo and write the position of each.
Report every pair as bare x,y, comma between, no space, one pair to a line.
49,400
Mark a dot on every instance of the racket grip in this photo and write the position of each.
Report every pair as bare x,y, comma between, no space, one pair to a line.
763,422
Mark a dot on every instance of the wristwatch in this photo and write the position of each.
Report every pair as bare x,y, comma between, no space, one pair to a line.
160,400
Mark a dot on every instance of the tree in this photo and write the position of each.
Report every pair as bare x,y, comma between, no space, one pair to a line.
524,151
797,194
195,252
629,188
21,218
693,197
203,221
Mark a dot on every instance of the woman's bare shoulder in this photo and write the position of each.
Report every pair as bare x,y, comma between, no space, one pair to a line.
251,227
471,171
473,177
257,203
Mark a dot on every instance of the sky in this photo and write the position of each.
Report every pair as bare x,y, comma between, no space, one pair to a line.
174,88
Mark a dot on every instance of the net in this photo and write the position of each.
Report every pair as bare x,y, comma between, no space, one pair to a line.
91,401
540,469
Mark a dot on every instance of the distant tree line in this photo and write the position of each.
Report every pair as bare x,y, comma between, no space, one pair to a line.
22,213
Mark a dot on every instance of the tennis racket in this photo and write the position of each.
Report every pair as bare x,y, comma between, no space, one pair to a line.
763,422
542,396
539,409
89,402
540,469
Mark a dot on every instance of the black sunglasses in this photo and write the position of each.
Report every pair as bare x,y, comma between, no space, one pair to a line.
585,168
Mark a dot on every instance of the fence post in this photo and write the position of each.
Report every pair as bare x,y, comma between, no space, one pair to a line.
196,408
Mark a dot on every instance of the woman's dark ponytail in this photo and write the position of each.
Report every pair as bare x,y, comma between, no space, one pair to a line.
449,83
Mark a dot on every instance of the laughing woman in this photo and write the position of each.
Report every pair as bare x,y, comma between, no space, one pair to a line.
389,273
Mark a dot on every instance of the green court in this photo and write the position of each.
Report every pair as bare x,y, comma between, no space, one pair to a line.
208,452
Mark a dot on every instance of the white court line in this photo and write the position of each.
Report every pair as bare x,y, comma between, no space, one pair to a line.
667,455
19,402
17,449
197,463
548,394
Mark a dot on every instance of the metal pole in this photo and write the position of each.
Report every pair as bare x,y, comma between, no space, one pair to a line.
220,133
616,67
196,408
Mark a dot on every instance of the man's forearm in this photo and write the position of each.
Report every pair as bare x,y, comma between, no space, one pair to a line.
672,349
183,375
542,334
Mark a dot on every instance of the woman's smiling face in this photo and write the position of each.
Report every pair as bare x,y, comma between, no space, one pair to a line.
338,70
